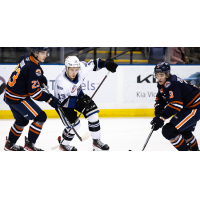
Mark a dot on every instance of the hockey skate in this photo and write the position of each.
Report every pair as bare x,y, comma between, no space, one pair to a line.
190,148
12,147
65,147
98,145
30,146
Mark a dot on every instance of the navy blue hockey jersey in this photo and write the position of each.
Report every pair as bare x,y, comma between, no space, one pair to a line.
24,82
177,94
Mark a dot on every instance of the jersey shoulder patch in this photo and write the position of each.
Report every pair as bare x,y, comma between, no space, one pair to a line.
167,84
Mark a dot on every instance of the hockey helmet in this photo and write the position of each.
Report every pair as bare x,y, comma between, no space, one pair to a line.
162,67
36,50
71,61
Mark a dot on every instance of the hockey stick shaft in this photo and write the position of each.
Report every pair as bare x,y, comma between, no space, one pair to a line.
60,109
72,125
152,129
2,88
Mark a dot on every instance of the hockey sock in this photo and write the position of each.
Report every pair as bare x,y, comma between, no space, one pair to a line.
179,143
34,131
192,142
67,137
15,133
94,126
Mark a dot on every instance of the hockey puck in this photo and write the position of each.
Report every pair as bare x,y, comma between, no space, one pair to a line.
129,150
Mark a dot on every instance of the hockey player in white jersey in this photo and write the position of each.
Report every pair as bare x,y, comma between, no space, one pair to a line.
68,90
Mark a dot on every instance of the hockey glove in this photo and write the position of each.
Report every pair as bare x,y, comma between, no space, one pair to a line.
53,101
83,101
158,109
158,121
110,65
43,80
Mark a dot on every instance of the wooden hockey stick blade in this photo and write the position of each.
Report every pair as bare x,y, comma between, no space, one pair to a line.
85,136
2,88
54,147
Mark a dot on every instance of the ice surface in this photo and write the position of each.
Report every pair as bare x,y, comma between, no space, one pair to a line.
121,134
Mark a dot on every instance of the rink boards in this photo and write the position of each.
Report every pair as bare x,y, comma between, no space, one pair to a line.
130,92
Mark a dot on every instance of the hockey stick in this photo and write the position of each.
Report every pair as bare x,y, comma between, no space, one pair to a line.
152,129
83,138
2,88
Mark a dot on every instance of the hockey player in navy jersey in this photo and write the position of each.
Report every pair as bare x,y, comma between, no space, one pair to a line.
68,90
181,100
23,86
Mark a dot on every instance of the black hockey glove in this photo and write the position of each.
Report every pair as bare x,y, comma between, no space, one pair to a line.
110,65
83,101
43,80
53,101
158,109
158,122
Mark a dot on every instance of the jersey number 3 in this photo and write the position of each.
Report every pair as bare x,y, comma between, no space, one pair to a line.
171,95
14,77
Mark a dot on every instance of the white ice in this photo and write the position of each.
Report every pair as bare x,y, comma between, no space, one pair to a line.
121,134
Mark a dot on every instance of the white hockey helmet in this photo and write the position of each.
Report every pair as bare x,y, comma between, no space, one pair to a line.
71,61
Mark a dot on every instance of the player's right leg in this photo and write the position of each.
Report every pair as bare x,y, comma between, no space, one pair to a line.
91,114
176,130
67,136
15,131
190,139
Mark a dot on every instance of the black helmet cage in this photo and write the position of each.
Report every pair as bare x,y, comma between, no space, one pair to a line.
162,67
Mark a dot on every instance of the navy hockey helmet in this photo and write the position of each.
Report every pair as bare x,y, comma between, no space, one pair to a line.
36,50
162,67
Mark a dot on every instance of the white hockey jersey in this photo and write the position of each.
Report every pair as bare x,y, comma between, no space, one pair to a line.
65,88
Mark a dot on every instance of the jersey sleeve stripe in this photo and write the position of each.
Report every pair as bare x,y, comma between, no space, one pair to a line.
176,102
11,97
174,108
26,95
177,105
196,104
40,94
31,94
193,100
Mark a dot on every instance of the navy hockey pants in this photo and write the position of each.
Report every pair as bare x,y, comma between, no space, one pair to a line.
25,110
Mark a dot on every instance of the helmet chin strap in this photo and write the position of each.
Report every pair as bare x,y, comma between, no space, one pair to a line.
33,54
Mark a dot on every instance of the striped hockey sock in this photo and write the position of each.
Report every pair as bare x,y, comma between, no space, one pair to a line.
95,129
192,143
15,133
67,137
34,131
179,143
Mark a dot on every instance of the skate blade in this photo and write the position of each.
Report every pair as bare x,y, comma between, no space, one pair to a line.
98,149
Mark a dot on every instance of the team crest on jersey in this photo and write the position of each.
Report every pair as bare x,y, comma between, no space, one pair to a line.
73,89
167,84
38,72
